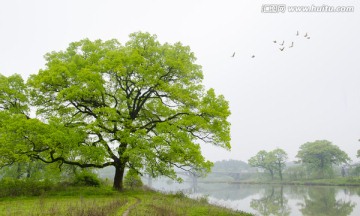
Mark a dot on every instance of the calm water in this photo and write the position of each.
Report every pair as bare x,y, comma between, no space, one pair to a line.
274,199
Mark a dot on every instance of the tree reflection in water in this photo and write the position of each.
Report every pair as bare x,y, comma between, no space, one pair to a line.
321,201
273,202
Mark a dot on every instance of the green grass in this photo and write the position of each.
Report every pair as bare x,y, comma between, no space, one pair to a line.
155,203
98,201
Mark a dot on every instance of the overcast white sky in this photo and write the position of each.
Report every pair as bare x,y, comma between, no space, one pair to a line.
278,99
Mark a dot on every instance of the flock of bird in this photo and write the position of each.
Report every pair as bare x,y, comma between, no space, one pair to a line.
292,43
282,45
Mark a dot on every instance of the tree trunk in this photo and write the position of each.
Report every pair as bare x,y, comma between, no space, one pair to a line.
28,170
322,168
280,174
18,171
272,174
281,197
119,176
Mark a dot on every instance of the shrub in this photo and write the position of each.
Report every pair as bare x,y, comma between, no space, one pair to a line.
179,195
203,199
132,179
86,178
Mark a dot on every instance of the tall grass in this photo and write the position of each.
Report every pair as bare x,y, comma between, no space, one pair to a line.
60,206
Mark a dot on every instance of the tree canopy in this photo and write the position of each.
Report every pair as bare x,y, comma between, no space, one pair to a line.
140,105
273,161
320,155
280,157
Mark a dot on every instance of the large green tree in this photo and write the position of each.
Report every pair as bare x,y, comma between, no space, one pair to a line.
319,156
140,105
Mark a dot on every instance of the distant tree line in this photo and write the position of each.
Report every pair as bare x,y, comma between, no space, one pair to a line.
316,159
230,166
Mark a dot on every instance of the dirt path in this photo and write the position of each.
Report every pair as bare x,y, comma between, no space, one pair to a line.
126,213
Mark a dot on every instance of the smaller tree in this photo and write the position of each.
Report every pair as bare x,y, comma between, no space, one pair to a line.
279,156
263,160
319,156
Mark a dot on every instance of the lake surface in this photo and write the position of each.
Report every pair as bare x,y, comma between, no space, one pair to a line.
273,199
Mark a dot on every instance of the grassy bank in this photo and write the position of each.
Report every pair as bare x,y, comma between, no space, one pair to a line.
92,201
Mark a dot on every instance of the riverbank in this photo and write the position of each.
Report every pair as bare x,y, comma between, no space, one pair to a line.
353,181
104,201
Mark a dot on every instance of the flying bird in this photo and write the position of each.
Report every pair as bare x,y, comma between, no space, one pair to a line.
305,35
233,55
282,49
297,33
282,43
292,45
274,41
253,56
308,37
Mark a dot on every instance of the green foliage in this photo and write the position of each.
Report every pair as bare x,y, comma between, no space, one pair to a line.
132,179
86,178
279,156
262,160
14,110
101,103
23,187
13,94
273,161
320,156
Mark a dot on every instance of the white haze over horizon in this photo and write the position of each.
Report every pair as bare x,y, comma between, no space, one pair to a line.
277,99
